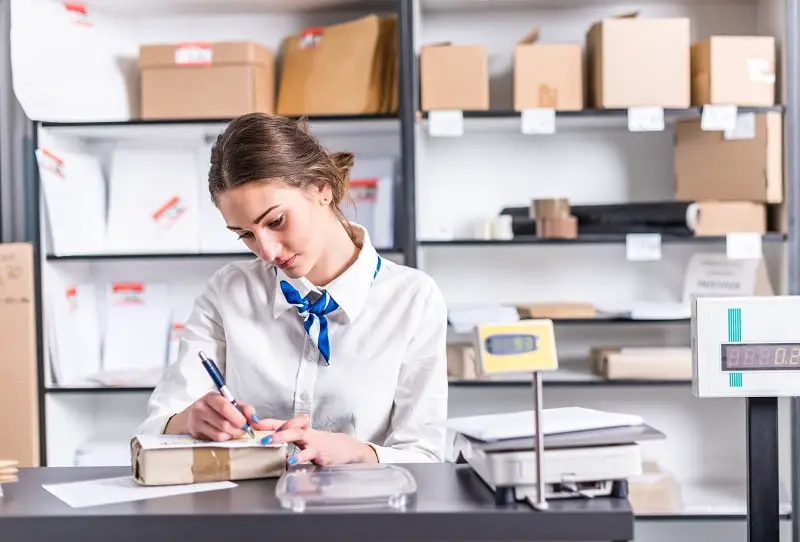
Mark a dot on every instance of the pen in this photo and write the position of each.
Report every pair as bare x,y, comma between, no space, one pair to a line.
219,382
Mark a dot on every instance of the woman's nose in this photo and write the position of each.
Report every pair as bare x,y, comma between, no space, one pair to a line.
269,249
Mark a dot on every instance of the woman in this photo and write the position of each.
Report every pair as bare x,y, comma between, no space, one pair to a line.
367,382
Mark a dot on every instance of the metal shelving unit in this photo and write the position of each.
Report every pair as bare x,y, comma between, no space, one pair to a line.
410,122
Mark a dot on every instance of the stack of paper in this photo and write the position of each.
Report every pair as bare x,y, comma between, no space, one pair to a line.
493,427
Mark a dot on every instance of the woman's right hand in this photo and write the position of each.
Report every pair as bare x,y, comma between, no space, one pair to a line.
214,418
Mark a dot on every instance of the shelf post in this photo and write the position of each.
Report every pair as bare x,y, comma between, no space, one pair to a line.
763,475
407,116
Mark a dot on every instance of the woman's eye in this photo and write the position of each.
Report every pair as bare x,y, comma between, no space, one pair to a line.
245,235
277,222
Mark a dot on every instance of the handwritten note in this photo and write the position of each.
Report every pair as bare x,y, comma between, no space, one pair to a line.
163,442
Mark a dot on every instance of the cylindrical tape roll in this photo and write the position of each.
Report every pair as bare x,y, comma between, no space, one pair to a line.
557,228
550,208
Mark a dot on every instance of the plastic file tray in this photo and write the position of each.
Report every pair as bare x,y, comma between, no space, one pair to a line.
346,486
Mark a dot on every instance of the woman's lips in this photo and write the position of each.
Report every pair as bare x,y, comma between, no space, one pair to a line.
283,264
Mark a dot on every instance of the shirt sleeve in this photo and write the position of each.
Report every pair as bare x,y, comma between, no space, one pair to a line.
185,380
420,400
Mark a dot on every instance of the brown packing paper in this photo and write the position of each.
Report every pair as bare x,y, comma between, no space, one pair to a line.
343,69
18,373
550,208
156,467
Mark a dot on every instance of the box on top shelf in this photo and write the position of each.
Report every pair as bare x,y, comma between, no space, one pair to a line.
345,69
635,62
743,166
734,70
548,75
206,80
454,77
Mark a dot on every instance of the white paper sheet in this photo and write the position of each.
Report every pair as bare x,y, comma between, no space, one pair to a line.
149,442
122,489
491,427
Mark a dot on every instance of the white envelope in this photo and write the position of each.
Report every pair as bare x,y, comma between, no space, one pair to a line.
75,197
153,203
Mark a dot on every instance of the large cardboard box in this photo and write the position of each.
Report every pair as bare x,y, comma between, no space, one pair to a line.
173,459
454,77
708,166
734,70
548,75
344,69
635,62
19,384
206,80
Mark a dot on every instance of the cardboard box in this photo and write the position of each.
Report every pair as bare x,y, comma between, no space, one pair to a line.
19,384
710,167
548,75
454,77
206,80
636,62
344,69
734,70
174,461
724,217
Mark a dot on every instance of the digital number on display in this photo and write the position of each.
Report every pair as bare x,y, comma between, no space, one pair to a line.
760,357
510,344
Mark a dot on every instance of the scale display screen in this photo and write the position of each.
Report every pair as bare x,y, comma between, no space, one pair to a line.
510,344
760,356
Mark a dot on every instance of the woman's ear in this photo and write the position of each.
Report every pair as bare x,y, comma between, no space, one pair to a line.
325,195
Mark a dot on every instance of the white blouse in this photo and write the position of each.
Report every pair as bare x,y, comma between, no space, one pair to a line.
386,383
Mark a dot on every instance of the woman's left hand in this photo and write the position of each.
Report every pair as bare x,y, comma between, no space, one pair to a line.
320,447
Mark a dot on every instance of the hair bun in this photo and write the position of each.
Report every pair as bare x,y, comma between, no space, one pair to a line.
344,161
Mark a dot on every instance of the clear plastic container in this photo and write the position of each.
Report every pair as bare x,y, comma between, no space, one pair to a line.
346,486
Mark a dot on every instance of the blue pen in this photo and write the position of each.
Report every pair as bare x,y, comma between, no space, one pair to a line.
219,382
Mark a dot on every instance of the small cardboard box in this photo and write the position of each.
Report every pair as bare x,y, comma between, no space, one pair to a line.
636,62
723,217
344,69
708,166
734,70
206,80
454,77
178,459
548,75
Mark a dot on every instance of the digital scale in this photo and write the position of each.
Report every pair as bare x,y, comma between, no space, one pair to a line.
578,464
750,347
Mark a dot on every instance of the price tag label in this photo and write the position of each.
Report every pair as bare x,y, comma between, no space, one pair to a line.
744,246
538,121
718,118
193,54
646,119
643,247
446,123
745,127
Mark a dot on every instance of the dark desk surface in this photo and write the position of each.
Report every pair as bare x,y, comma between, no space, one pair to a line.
452,503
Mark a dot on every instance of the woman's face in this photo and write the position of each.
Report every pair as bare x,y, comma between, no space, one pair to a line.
279,224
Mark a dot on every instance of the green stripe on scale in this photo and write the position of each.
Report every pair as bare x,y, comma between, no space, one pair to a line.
735,380
734,325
